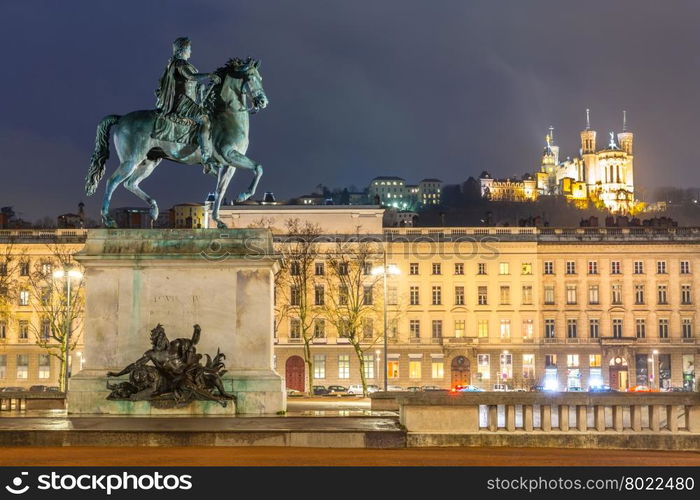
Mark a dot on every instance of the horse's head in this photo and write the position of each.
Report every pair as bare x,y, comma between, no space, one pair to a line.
243,79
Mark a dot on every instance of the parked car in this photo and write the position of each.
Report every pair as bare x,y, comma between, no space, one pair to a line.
469,388
53,388
601,388
501,387
320,390
432,388
38,388
575,389
678,389
293,392
355,390
373,388
13,389
339,390
640,388
537,388
395,388
413,388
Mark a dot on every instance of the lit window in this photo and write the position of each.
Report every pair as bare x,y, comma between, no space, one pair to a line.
393,368
22,367
549,294
483,366
503,268
505,329
483,328
505,295
438,369
414,369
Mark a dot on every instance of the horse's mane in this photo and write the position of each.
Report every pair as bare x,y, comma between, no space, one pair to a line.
235,64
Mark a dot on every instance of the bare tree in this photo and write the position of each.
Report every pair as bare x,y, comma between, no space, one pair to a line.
298,297
355,303
11,259
60,312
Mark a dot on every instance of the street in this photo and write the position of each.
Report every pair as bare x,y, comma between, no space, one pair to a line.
275,456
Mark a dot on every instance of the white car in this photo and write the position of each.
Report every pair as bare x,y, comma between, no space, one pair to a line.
356,389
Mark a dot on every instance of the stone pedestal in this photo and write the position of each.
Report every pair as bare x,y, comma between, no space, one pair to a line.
222,280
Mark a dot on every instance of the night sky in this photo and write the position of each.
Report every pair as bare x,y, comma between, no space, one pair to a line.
357,88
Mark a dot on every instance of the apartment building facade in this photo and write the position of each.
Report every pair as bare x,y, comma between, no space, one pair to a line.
563,308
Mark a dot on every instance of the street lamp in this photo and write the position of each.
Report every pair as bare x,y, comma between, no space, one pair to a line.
69,275
384,271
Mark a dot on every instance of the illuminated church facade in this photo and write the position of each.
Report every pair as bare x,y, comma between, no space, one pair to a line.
603,177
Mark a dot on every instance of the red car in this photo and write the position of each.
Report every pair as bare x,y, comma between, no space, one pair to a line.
640,388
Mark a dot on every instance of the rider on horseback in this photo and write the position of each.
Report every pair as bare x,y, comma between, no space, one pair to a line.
177,95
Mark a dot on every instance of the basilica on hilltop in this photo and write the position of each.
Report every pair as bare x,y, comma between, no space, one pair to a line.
602,177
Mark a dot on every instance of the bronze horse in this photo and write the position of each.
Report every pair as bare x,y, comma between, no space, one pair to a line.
139,153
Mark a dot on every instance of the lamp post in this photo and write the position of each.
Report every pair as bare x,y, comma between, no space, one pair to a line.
67,275
384,271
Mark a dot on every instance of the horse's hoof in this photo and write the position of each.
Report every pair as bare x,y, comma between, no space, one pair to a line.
221,225
154,212
243,197
109,223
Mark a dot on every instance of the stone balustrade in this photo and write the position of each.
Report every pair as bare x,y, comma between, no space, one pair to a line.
25,400
488,418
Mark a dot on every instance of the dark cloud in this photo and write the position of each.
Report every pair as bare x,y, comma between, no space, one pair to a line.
357,89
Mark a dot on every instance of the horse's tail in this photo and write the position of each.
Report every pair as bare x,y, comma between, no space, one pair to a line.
101,154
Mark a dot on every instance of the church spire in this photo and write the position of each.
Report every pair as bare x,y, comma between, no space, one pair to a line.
624,121
588,119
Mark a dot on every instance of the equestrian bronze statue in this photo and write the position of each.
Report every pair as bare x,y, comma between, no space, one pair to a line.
194,123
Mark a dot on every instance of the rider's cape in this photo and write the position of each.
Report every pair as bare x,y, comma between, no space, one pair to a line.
168,125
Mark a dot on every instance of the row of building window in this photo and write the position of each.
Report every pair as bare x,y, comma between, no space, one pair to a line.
415,366
504,268
505,295
23,327
22,366
482,328
437,366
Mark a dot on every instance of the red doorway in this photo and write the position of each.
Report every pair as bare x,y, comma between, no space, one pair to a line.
460,371
294,373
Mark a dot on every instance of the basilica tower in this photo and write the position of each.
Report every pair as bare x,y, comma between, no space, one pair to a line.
626,141
588,149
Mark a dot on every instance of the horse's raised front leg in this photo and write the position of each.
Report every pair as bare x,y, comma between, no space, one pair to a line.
124,170
242,161
143,170
225,173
